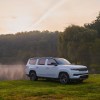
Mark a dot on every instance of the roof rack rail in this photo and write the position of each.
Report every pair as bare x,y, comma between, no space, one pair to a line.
41,57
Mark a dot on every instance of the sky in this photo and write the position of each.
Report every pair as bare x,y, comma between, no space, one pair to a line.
53,15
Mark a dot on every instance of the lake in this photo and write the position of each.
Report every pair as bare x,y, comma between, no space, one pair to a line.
12,72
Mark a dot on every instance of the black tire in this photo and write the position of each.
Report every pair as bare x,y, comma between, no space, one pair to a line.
64,78
33,76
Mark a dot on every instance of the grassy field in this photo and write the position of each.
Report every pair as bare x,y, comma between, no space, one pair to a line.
50,90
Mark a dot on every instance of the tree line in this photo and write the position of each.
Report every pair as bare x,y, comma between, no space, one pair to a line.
78,44
17,48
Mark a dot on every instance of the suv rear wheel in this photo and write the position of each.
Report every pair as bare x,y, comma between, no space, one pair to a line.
63,78
33,76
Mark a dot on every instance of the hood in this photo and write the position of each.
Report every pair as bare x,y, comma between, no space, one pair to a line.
74,66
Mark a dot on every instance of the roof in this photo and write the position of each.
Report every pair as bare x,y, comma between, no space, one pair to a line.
41,57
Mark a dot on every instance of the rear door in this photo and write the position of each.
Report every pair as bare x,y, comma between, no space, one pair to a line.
31,65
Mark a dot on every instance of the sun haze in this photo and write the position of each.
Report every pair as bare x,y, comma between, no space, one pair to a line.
52,15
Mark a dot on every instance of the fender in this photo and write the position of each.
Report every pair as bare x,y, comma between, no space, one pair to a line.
64,70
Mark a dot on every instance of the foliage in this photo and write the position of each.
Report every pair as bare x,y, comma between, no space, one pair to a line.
77,42
21,46
95,25
96,52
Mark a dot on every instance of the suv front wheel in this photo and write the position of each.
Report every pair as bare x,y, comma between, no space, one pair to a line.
33,76
63,78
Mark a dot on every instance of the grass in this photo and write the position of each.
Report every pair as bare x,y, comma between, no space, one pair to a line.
50,90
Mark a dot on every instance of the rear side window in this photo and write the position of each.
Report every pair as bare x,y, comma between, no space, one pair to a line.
32,61
41,61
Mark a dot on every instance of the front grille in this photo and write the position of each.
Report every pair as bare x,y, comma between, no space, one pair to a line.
83,69
79,74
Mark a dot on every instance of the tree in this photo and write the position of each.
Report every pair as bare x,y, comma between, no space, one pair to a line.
23,45
75,42
95,25
96,52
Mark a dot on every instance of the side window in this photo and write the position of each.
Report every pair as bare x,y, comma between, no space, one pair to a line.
50,61
32,61
41,61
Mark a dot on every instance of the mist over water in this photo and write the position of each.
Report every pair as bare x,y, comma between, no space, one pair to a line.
12,72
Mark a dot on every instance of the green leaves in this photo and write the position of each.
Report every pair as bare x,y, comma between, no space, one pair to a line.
76,43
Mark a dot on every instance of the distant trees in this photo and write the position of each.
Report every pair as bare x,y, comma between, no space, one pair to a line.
76,44
21,46
95,25
96,52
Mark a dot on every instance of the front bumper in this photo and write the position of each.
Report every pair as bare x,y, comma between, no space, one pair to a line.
84,76
80,76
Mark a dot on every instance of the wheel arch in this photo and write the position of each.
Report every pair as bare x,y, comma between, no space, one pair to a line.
31,72
63,72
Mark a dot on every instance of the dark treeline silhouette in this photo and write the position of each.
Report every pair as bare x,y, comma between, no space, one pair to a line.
80,45
21,46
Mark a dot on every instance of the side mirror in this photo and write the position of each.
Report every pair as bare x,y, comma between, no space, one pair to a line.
55,64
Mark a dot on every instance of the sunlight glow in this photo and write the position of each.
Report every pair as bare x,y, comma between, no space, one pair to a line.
18,23
47,13
52,15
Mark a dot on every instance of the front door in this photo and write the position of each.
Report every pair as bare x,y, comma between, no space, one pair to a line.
41,67
51,69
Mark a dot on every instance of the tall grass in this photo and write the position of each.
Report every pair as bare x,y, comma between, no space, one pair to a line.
50,90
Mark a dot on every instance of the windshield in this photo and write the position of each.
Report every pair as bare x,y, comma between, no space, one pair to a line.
62,61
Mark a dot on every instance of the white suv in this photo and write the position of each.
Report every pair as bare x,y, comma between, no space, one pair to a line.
59,68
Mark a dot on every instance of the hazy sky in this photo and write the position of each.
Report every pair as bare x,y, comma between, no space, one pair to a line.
52,15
